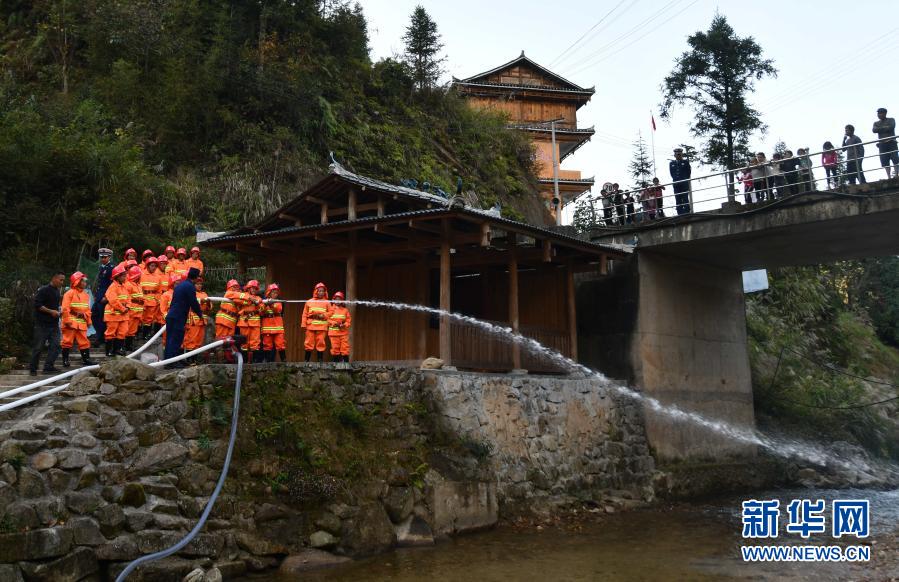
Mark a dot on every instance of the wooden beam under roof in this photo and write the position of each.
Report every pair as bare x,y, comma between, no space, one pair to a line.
297,221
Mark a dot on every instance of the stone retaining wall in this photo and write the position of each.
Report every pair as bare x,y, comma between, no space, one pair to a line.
328,463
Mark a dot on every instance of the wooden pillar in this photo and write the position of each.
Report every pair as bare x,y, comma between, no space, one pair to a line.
445,287
380,205
324,214
350,290
572,312
424,279
241,266
513,300
351,205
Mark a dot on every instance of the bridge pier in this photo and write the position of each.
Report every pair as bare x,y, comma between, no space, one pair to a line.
676,329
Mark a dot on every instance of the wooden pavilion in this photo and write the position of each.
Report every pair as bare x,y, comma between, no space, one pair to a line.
531,95
379,241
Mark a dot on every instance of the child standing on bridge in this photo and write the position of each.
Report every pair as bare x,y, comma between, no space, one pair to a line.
830,163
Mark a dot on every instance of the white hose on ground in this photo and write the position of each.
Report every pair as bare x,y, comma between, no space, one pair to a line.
55,389
218,486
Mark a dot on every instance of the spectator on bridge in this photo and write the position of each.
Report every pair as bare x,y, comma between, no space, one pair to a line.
855,155
618,200
776,179
885,128
652,199
630,216
746,179
806,176
790,168
605,195
760,177
680,171
831,166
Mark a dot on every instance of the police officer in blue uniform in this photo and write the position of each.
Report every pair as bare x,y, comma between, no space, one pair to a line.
680,171
104,280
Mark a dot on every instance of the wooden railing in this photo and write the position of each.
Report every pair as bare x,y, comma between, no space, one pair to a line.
475,348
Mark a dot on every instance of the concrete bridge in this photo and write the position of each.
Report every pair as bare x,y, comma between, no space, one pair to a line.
671,320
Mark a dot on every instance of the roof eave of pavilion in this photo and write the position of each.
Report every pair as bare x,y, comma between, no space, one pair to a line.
523,59
233,239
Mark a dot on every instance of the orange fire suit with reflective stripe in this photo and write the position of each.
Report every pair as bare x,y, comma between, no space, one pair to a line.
249,322
339,321
150,285
116,314
315,320
135,307
195,332
273,327
226,318
195,263
76,317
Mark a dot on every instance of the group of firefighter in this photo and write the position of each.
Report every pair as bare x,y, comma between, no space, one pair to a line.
132,300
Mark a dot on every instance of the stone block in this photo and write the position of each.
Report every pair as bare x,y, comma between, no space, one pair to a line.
398,502
39,544
83,502
31,483
118,371
86,532
44,460
461,506
120,549
322,540
72,459
10,573
259,546
71,568
160,457
111,518
370,532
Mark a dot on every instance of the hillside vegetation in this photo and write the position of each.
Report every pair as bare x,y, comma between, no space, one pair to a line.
137,121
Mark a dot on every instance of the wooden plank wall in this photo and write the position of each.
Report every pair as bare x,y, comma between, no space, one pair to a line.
384,334
527,110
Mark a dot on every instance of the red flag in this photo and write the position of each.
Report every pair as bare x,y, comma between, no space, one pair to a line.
653,118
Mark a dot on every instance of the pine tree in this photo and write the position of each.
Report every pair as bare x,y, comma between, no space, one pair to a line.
422,47
585,216
641,165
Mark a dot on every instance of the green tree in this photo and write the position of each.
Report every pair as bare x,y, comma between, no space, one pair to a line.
422,48
585,216
641,166
715,78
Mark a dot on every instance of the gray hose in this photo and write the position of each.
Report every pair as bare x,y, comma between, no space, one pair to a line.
218,487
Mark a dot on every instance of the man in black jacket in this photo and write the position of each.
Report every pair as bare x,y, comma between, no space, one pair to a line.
46,324
184,300
680,170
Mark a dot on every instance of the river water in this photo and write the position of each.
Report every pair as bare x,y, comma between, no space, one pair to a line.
682,542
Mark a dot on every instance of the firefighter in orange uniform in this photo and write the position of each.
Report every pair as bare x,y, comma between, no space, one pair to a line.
151,285
116,314
195,332
130,255
163,275
339,321
135,305
76,318
194,260
226,318
273,326
315,320
179,263
249,321
144,257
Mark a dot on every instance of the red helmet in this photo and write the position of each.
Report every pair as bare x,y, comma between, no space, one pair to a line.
152,260
252,283
130,263
174,278
118,270
76,278
163,259
145,254
130,252
320,286
232,283
134,273
270,288
181,251
338,295
195,250
169,248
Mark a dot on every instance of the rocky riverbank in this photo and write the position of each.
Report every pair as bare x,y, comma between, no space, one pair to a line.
329,464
